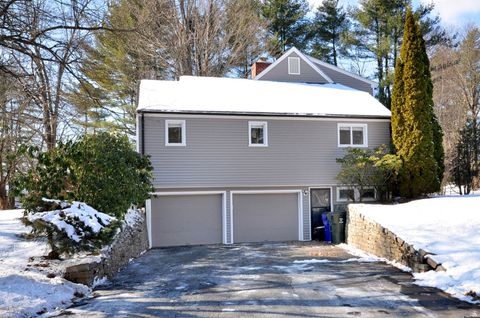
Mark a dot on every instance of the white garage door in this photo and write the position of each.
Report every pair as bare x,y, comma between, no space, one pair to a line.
259,217
186,220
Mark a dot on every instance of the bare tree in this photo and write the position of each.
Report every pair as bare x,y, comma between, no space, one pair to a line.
456,77
40,45
18,127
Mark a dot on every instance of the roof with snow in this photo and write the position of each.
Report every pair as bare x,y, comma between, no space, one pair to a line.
233,96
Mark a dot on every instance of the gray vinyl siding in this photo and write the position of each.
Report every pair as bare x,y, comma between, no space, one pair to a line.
300,152
346,80
280,73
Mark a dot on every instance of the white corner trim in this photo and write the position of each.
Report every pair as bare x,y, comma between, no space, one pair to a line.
254,124
302,56
184,132
224,218
148,208
352,125
300,206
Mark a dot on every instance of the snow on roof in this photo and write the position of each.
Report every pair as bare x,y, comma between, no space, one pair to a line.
193,94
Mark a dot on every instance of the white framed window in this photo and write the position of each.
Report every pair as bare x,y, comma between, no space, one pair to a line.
352,135
350,194
345,194
175,133
368,194
257,134
294,66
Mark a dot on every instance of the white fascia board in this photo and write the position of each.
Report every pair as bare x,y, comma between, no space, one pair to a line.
302,56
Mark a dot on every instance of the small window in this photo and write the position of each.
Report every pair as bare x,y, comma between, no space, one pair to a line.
257,134
175,133
294,65
368,194
352,135
345,194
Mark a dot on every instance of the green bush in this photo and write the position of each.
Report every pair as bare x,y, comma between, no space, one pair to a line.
366,168
72,227
102,170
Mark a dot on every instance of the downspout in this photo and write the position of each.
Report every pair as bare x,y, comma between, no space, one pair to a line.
142,133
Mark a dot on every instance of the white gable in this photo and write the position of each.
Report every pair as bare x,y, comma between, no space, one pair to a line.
243,96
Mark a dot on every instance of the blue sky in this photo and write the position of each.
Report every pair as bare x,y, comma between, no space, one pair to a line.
454,13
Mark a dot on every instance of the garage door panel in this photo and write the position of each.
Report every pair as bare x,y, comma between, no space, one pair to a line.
265,217
186,220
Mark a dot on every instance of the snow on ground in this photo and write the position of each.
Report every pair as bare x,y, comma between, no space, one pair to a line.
448,226
24,290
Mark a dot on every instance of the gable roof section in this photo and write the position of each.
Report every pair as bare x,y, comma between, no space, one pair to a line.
234,96
302,56
335,68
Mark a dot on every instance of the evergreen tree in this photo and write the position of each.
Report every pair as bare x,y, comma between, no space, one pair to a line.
287,24
464,169
106,97
328,28
378,33
415,131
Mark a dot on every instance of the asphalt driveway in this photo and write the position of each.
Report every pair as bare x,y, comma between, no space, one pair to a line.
265,280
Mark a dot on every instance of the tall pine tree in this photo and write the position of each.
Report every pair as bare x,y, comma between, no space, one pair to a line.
416,134
287,24
328,28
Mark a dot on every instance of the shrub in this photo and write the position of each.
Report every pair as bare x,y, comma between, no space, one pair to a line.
102,170
366,168
72,227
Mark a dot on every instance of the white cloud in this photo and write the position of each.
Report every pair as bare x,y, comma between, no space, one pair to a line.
454,12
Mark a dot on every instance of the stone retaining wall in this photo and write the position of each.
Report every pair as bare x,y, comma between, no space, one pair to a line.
129,243
373,238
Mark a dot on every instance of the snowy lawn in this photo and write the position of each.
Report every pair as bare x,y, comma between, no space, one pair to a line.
25,290
447,226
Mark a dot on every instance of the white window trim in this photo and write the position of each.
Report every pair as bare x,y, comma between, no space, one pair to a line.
252,124
184,132
345,188
351,125
290,60
356,194
368,199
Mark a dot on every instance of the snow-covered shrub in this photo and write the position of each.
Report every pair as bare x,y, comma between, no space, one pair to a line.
72,227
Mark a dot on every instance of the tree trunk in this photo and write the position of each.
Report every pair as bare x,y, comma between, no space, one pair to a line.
5,202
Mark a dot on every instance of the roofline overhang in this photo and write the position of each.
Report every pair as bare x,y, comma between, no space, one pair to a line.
259,114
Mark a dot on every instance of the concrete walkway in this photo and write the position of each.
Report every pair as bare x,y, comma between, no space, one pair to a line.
264,280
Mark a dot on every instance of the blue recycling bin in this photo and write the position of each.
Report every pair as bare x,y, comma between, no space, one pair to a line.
326,223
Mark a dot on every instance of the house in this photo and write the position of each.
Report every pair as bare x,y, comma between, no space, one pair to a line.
242,160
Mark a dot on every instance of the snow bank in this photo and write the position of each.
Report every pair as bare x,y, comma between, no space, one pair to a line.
69,213
24,290
447,226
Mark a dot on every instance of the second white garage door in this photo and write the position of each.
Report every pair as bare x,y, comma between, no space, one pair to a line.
259,217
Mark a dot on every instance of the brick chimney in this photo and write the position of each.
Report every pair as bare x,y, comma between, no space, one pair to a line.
258,67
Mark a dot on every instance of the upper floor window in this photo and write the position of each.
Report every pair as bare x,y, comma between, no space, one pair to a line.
257,134
294,65
175,133
352,135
